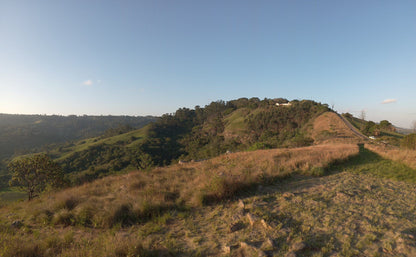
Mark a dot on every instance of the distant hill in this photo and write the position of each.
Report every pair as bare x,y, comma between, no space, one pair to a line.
383,131
193,134
202,133
22,133
404,131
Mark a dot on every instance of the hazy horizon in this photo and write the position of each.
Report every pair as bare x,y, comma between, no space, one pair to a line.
143,58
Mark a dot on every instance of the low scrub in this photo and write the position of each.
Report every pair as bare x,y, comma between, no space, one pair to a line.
137,197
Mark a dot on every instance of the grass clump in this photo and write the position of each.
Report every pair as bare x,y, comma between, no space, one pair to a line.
63,217
66,202
122,215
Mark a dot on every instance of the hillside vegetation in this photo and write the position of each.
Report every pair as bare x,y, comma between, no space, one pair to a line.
325,200
144,205
383,131
319,194
23,133
192,134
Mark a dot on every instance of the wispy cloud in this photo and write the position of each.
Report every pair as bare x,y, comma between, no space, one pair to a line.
88,82
389,101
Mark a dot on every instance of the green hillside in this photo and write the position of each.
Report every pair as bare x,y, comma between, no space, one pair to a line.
26,134
20,134
191,134
383,131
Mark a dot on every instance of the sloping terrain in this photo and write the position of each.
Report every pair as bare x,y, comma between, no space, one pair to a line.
326,200
329,127
152,211
22,133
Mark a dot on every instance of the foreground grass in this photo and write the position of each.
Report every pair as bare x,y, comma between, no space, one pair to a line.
407,157
370,162
142,214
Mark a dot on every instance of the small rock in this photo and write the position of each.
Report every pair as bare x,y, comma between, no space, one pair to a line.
241,204
236,226
226,249
298,246
17,224
268,245
288,195
265,225
244,245
251,218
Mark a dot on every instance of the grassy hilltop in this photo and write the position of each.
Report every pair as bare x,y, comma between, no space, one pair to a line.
311,201
255,179
192,134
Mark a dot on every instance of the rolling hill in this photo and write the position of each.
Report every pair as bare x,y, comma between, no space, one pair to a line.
243,124
25,133
323,200
316,193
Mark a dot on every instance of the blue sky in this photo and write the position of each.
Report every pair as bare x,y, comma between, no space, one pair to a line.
153,57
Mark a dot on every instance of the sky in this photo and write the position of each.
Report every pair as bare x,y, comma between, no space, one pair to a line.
153,57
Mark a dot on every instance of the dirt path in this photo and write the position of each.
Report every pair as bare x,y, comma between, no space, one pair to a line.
352,128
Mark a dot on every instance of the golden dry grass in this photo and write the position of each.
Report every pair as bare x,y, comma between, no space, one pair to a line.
113,216
394,153
329,128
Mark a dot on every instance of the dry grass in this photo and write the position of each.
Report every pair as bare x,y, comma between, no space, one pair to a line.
139,196
158,213
329,128
114,216
394,153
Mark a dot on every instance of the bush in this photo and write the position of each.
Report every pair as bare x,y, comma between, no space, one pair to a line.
123,215
69,203
84,216
63,217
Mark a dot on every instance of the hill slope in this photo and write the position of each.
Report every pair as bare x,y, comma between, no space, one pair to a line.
194,209
22,133
192,134
330,127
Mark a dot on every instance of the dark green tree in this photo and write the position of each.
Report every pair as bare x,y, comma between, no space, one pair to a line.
33,174
143,161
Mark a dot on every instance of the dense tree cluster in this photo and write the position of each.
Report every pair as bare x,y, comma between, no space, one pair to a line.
275,127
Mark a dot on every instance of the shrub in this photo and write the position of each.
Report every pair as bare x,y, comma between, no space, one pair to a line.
68,202
122,215
84,216
63,217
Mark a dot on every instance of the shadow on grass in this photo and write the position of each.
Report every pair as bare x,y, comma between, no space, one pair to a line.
369,162
365,162
364,157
